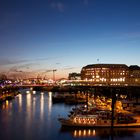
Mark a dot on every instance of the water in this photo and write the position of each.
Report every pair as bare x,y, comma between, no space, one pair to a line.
34,117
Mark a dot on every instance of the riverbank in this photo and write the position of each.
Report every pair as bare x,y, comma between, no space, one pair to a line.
8,96
8,93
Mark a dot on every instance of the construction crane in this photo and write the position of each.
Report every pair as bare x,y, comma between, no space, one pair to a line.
54,70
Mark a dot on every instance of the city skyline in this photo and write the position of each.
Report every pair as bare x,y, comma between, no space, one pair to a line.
40,36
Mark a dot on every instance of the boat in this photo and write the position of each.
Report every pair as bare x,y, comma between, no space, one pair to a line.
68,98
58,98
99,119
73,100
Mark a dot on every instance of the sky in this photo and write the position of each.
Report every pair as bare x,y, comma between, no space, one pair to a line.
38,36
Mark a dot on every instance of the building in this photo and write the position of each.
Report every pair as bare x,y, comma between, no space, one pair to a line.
134,73
111,74
74,76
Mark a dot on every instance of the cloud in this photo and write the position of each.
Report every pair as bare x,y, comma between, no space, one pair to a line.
10,62
27,62
27,66
13,69
43,59
59,6
70,68
23,66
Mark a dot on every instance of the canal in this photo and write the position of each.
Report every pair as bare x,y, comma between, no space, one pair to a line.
33,116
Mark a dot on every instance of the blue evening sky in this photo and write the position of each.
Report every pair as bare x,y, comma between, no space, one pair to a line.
41,35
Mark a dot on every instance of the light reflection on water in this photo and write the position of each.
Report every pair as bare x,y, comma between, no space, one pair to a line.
34,105
84,133
34,116
20,100
103,133
6,105
49,103
42,106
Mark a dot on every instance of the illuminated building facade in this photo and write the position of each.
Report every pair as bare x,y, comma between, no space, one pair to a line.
74,76
134,73
108,74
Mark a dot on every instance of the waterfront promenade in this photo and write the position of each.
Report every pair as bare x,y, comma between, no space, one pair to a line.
130,91
8,93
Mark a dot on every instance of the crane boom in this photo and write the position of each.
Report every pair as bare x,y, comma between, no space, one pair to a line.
54,70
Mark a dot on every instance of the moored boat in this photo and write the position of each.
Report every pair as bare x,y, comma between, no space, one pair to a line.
95,120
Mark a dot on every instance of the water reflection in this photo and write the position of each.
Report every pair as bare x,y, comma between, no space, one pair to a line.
42,106
27,91
33,116
34,92
28,117
49,103
34,105
20,102
7,105
28,99
102,133
42,93
83,133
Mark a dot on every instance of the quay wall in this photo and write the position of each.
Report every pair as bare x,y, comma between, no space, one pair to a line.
130,91
8,93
